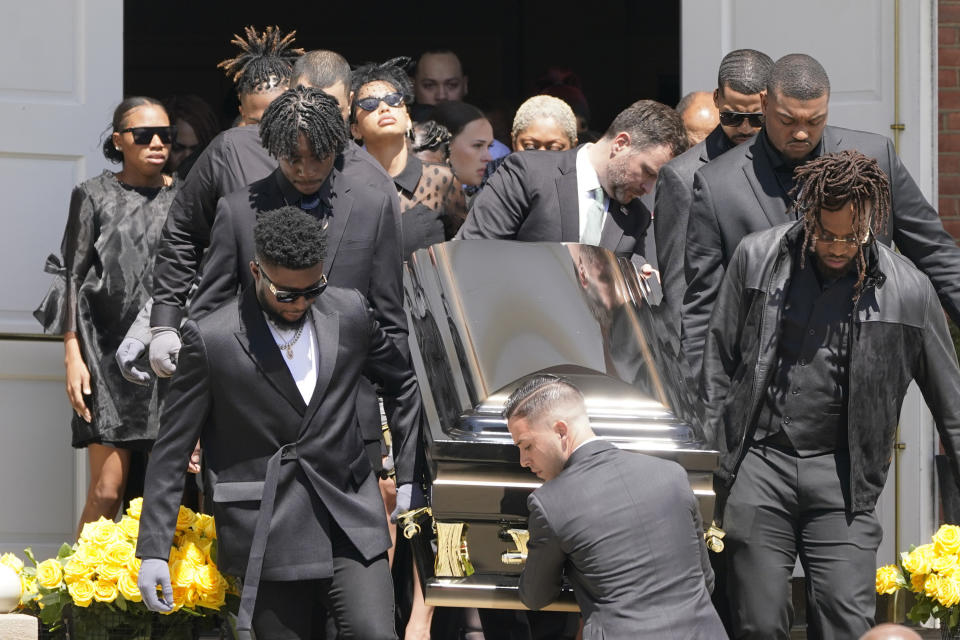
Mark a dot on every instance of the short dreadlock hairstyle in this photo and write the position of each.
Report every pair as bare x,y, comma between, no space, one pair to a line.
303,110
540,394
265,60
289,237
393,72
832,181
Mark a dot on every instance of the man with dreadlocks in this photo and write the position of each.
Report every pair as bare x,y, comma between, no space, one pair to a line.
748,189
817,331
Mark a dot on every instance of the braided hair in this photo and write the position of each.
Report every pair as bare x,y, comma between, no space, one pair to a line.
307,111
265,60
832,181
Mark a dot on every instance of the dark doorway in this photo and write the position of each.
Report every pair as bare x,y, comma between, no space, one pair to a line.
623,50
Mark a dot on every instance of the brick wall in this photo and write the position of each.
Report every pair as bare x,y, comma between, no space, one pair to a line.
948,78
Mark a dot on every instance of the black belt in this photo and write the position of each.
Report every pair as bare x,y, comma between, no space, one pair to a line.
251,579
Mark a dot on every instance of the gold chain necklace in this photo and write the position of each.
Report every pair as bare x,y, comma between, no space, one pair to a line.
288,346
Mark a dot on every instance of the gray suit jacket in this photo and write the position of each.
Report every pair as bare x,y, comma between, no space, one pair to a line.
533,197
738,194
674,194
626,527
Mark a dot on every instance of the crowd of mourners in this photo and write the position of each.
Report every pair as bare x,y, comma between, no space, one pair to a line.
797,342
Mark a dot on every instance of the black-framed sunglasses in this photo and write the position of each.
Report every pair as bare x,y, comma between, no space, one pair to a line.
144,135
370,104
736,118
285,296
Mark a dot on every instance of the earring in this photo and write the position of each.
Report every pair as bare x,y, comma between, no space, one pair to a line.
116,147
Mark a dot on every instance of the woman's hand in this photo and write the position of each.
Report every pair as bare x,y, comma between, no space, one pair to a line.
78,376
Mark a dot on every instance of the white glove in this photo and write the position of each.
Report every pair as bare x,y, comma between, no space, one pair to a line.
154,573
127,355
164,349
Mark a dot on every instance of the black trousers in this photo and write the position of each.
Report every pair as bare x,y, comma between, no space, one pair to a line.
780,507
359,598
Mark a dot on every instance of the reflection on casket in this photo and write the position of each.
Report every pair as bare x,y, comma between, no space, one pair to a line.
484,315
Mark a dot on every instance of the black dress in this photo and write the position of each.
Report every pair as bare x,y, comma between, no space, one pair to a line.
105,276
432,204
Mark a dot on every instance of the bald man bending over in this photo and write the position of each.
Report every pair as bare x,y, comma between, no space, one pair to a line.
633,550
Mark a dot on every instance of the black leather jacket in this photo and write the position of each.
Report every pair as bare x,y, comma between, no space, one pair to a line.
899,334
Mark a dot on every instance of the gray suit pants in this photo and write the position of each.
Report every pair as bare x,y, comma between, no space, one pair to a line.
782,506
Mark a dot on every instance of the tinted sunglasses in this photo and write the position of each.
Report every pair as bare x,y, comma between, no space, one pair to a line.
144,135
371,103
287,296
736,118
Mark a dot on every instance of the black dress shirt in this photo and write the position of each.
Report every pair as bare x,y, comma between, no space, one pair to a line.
805,406
783,168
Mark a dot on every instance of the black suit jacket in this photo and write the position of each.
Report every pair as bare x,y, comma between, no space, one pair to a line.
738,194
533,197
233,160
233,390
633,551
674,194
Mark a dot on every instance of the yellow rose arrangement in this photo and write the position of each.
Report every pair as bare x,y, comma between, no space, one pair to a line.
932,572
98,575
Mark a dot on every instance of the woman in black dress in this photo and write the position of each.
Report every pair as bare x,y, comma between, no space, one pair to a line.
105,276
431,203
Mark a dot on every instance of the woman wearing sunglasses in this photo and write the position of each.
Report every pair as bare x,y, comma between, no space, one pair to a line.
105,276
431,203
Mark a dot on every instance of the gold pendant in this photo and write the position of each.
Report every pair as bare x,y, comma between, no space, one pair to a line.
290,353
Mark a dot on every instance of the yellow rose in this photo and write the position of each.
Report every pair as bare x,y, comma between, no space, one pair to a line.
182,573
12,561
185,597
215,599
920,560
28,588
106,533
130,527
207,579
889,579
104,590
127,585
916,582
185,518
203,525
119,552
134,565
210,528
50,573
75,570
948,592
193,553
89,554
134,509
946,565
89,528
82,592
110,571
931,585
946,541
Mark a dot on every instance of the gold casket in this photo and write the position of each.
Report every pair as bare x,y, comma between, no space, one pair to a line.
484,315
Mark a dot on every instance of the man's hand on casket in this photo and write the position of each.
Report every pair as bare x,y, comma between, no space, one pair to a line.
409,496
154,573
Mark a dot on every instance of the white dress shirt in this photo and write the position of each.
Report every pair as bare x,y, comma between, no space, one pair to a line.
587,182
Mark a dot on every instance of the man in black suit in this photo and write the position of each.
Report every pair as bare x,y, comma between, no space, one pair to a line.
740,81
634,551
268,383
589,194
233,160
748,189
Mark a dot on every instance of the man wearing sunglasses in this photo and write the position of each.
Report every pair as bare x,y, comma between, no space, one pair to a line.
816,334
740,81
750,189
268,383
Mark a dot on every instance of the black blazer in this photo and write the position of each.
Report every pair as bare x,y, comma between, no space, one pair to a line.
633,551
233,390
233,160
533,197
738,194
674,194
